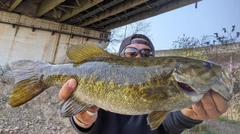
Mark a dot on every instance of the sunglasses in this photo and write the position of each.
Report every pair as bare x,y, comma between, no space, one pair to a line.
132,52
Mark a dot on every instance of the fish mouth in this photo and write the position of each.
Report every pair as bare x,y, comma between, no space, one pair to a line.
190,92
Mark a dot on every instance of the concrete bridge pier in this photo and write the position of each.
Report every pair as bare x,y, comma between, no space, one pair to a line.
24,37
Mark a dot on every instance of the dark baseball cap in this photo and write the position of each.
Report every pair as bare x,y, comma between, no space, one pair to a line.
127,41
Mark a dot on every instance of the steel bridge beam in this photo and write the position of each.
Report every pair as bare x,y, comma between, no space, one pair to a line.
14,4
47,5
86,5
146,14
113,11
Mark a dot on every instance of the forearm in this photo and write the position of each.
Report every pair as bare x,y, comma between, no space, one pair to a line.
176,122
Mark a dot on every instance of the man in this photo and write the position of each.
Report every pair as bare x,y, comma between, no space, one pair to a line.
99,121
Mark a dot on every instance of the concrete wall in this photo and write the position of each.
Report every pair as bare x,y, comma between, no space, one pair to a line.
23,37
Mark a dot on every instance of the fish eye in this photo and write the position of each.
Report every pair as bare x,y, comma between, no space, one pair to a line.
207,64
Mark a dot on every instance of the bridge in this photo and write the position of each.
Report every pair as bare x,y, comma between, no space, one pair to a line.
44,29
101,15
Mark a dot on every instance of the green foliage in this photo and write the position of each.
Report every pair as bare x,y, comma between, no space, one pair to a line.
224,118
199,129
189,47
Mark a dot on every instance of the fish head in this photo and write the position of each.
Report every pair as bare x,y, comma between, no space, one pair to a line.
196,77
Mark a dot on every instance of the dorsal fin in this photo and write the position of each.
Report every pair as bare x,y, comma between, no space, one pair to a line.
79,53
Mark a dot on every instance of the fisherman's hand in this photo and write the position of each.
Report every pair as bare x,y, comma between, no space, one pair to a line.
83,119
211,106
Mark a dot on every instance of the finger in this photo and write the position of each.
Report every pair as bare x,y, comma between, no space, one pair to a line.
67,89
209,106
93,109
221,104
190,113
200,111
87,118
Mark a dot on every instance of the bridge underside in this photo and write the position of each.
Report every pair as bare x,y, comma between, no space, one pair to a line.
100,15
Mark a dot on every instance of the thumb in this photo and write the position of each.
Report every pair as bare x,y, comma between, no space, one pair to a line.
67,89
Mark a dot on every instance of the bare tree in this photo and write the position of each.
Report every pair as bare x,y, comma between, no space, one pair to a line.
228,37
118,34
210,45
187,46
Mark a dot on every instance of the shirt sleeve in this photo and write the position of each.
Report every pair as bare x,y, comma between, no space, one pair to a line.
176,122
80,130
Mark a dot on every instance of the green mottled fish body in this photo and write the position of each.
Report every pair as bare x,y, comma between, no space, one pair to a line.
122,89
129,86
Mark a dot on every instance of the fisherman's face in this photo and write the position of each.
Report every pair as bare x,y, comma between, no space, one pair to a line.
139,47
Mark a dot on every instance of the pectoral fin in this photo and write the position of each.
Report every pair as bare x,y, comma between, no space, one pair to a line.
155,118
73,106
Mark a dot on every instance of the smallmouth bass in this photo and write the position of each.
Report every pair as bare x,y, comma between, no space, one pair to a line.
153,86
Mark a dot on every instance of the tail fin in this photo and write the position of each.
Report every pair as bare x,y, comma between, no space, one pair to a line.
28,81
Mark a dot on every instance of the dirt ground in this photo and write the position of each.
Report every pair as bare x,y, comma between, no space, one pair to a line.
41,115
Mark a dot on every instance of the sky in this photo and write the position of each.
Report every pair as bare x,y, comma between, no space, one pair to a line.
209,17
